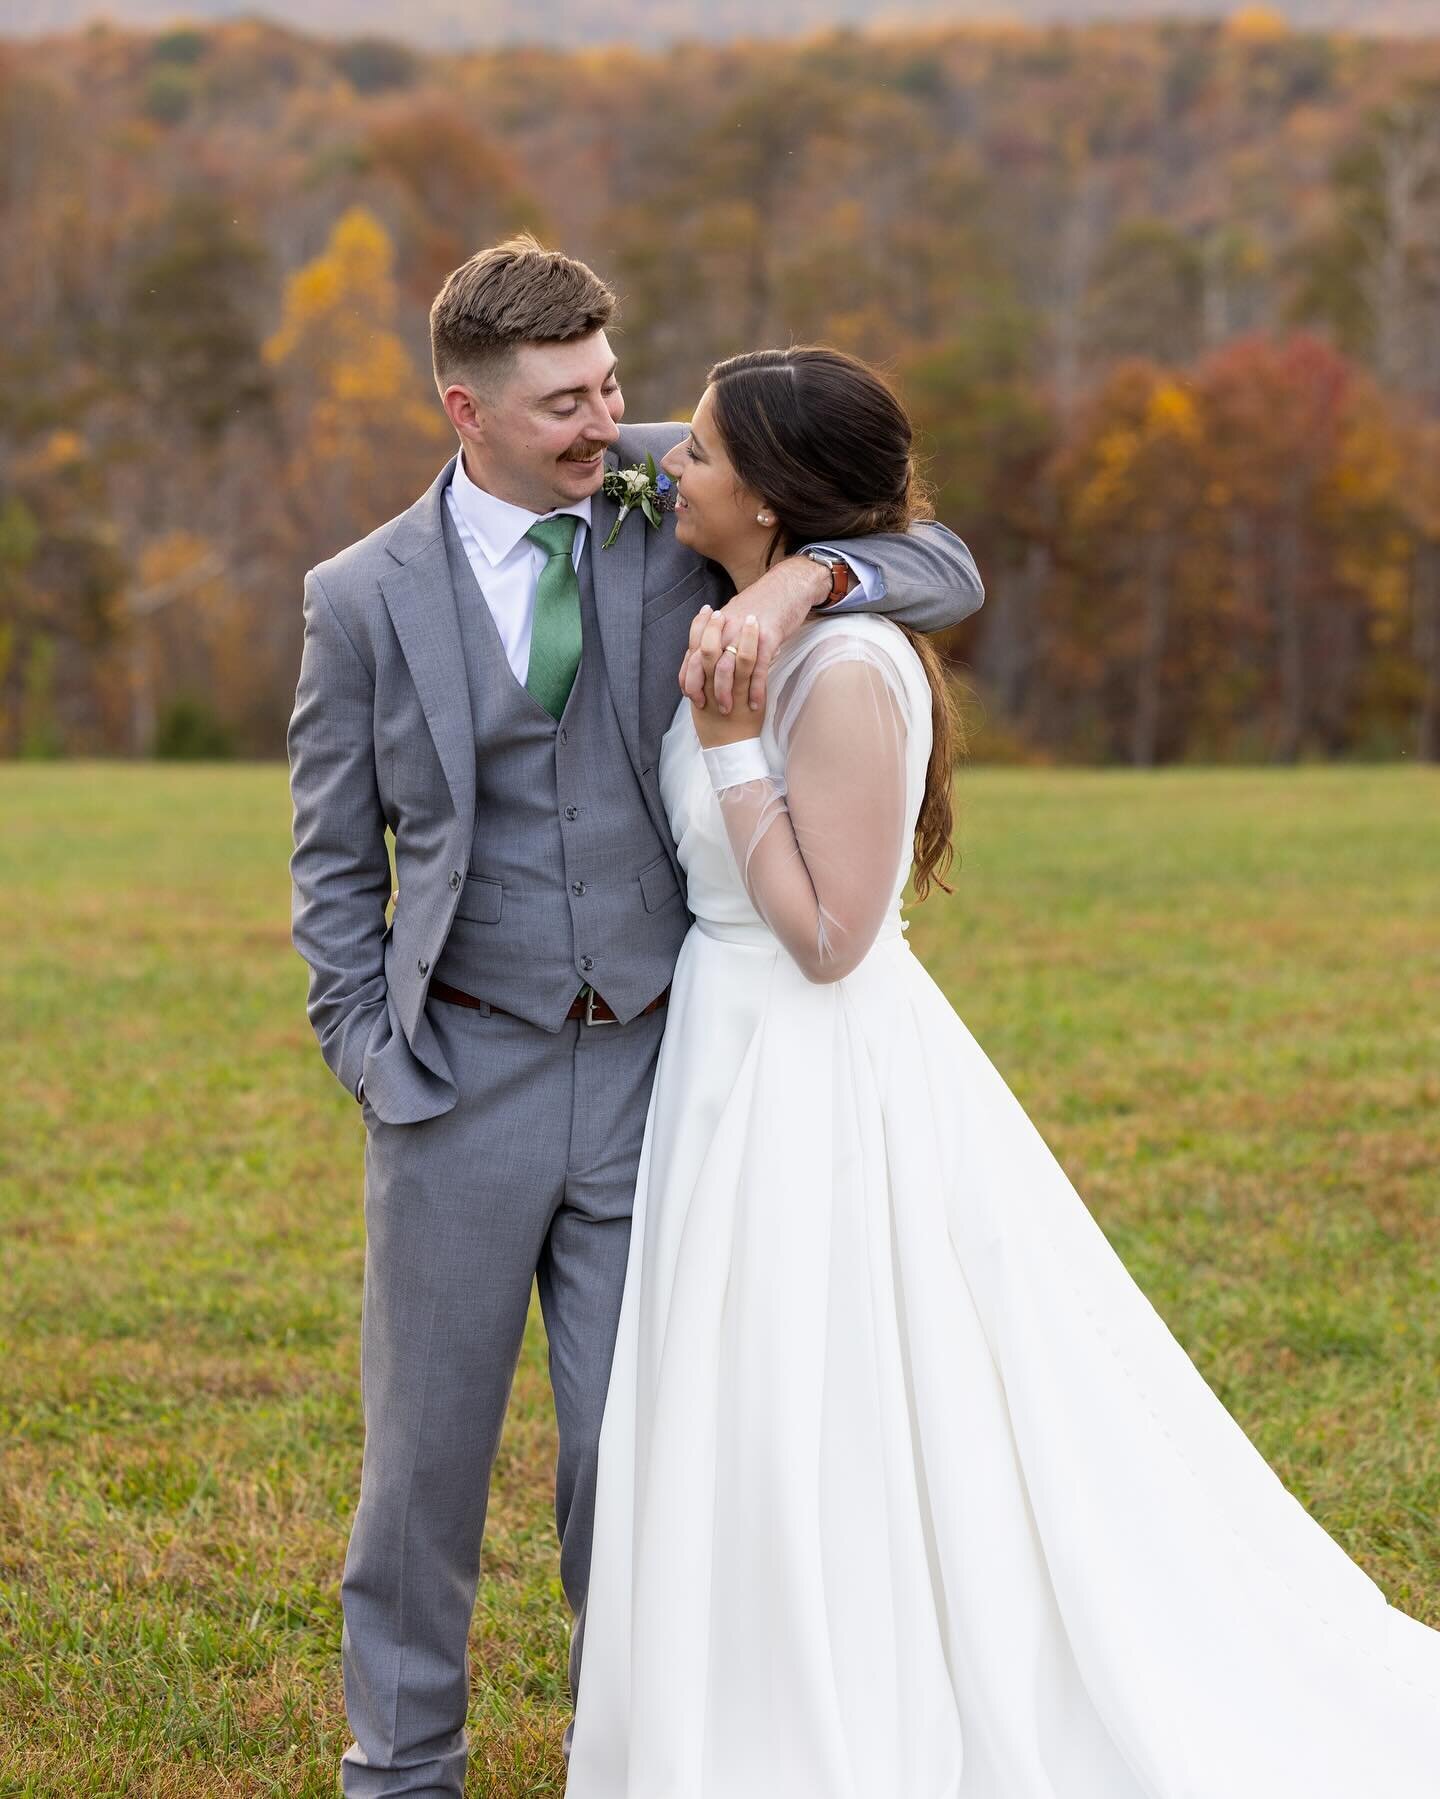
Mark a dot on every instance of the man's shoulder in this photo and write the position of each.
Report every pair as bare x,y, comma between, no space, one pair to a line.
358,561
636,442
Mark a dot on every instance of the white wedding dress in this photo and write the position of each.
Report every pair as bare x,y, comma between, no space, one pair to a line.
905,1489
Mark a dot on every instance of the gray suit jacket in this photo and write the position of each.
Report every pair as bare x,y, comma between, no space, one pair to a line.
382,704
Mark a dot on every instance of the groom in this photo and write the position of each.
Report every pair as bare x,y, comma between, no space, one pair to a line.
484,680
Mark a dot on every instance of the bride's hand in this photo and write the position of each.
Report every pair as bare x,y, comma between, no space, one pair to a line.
710,657
779,602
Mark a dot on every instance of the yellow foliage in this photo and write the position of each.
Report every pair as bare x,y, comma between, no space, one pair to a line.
1386,583
1171,413
60,450
1136,464
168,557
386,373
1115,456
1367,467
1256,25
347,288
356,381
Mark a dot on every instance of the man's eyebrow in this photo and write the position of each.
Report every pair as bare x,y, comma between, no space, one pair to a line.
563,393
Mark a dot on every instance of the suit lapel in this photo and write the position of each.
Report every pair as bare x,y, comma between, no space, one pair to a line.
619,576
421,600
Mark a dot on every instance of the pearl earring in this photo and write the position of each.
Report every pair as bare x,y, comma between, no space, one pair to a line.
763,518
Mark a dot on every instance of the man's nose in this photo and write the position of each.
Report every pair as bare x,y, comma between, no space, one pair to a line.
601,427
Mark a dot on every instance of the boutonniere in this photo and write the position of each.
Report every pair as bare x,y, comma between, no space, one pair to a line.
644,486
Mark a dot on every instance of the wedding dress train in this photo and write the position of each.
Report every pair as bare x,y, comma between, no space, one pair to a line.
905,1489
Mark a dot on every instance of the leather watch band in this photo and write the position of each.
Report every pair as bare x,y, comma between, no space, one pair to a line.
842,576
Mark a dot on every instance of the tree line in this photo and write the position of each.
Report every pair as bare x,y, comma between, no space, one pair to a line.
1164,301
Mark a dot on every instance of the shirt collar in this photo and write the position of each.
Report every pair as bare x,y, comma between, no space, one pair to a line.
496,525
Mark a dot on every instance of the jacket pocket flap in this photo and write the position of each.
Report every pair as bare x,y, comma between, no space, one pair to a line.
480,902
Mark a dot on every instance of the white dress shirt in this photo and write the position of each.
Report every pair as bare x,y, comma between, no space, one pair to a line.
507,565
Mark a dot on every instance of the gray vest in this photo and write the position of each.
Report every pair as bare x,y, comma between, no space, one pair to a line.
569,879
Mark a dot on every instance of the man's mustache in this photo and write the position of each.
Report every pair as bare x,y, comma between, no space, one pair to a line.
583,452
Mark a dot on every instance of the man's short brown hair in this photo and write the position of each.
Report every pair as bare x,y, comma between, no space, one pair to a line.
513,293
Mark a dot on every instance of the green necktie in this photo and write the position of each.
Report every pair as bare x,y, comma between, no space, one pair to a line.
555,635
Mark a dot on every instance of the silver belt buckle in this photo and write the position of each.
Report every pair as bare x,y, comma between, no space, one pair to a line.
590,1018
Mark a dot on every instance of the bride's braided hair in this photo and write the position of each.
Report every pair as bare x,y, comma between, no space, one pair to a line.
829,446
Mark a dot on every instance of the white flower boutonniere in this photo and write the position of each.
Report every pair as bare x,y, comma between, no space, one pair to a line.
644,487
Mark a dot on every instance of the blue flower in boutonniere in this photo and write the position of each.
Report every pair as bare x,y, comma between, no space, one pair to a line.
643,487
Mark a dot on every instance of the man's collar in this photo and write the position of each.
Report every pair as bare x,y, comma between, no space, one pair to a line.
497,525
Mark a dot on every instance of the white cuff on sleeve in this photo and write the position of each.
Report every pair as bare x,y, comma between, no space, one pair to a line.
730,764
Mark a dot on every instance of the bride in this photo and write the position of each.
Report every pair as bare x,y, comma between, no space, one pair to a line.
905,1490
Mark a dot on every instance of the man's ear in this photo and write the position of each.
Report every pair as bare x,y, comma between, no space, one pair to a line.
463,412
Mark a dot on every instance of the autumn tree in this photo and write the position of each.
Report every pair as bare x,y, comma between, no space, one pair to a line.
455,188
364,429
60,581
189,342
985,432
1146,294
1278,415
1133,481
1373,276
1414,644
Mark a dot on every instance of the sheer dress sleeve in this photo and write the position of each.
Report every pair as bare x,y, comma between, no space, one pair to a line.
819,846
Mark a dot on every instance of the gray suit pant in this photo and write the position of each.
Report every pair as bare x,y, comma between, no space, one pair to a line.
530,1176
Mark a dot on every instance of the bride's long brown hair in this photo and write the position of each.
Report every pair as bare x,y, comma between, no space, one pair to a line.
820,436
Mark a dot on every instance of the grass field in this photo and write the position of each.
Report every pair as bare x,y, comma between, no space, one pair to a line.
1217,994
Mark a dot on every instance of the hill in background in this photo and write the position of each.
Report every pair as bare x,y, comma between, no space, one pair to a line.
451,24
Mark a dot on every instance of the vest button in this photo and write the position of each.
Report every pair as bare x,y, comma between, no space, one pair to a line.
587,963
564,735
577,886
572,812
423,966
454,880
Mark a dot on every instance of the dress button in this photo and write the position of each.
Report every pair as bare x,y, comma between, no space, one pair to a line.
423,966
587,963
577,886
454,880
572,811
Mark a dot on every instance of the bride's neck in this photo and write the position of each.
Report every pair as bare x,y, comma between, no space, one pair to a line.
745,571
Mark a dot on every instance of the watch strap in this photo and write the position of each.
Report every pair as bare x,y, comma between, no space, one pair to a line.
842,576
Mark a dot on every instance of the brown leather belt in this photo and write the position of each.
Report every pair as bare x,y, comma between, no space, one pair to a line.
588,1004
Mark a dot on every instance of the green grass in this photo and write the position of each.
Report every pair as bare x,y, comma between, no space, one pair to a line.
1217,994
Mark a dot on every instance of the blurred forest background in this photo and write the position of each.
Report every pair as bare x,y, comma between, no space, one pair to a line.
1164,298
466,24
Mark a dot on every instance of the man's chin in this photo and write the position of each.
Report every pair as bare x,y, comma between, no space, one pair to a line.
581,478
